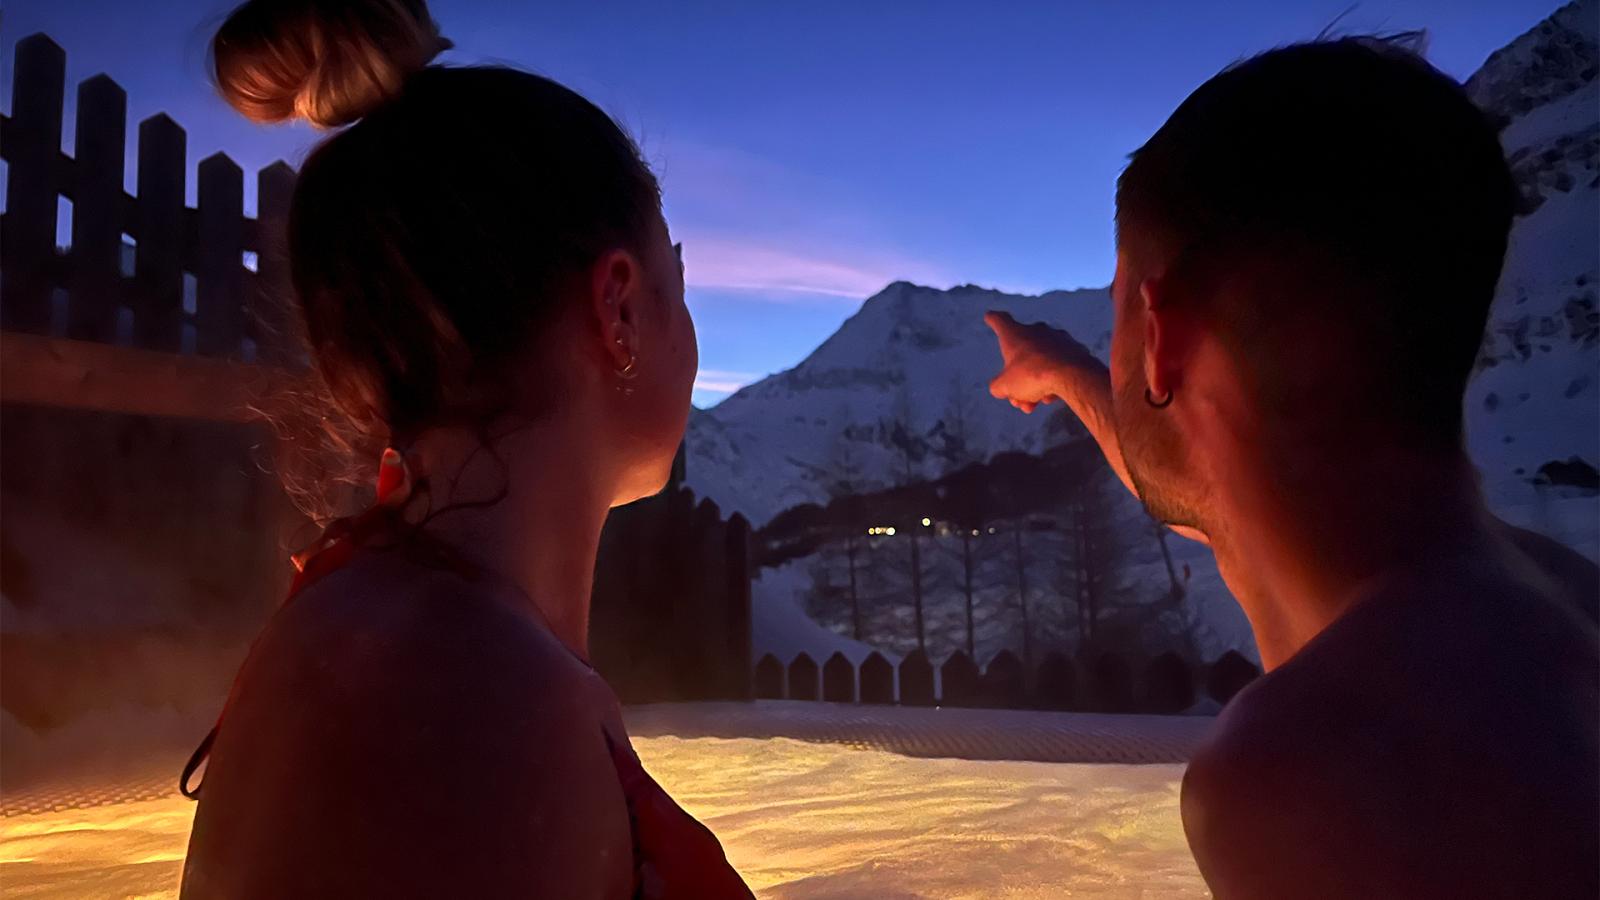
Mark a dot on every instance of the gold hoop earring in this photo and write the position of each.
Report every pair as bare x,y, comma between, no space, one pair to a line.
631,370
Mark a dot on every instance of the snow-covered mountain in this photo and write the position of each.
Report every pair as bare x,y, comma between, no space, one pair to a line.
908,356
1535,398
914,359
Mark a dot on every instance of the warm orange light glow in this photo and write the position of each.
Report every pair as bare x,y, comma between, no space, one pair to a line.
797,820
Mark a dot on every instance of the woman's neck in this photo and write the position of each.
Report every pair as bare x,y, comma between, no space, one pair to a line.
543,532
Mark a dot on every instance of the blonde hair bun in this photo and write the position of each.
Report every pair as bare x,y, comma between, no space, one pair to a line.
325,61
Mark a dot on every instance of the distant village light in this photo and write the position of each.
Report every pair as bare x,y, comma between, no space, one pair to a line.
889,531
926,521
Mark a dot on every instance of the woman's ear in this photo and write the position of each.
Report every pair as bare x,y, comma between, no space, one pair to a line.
614,296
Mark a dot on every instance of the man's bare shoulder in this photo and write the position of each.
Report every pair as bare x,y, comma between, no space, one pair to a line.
1307,789
1361,766
1574,577
1298,730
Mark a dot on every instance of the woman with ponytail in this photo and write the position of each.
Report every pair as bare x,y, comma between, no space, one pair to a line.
488,290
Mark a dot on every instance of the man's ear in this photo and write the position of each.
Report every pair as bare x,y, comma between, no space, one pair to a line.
1164,338
614,296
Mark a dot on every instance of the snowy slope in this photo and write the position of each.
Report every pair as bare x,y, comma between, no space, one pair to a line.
769,446
1536,397
912,352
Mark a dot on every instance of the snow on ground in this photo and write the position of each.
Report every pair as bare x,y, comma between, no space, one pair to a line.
797,818
780,626
809,820
947,732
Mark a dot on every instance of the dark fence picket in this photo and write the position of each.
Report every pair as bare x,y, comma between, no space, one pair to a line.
1056,684
803,678
96,258
1111,684
158,220
219,258
769,678
697,617
1228,676
1004,684
737,611
838,679
32,147
916,680
958,681
1168,685
877,679
271,320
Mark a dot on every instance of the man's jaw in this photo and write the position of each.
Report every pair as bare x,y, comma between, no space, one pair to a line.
1159,502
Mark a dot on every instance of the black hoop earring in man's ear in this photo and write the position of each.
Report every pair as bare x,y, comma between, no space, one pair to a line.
1157,404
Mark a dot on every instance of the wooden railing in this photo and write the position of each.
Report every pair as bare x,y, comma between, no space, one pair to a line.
234,303
68,374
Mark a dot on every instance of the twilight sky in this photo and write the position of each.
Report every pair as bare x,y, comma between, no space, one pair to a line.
810,153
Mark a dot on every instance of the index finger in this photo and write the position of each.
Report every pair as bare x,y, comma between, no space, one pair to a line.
998,320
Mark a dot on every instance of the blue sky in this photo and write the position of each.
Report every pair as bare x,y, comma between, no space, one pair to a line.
810,153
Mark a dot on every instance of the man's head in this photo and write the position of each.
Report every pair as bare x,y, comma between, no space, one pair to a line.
1307,251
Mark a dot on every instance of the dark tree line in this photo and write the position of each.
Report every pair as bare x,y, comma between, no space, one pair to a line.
984,547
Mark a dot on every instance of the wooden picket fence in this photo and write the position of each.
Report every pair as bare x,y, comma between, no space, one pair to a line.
130,360
235,264
135,340
1108,683
670,615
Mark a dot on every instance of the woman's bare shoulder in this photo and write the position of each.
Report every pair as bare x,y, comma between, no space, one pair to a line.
384,616
409,698
382,650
